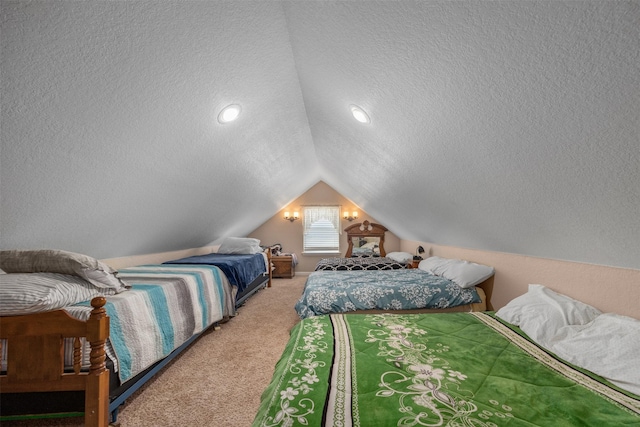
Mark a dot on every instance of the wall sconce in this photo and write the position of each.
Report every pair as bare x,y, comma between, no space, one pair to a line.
289,217
354,215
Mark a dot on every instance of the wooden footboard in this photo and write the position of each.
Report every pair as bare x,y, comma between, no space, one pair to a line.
487,288
35,357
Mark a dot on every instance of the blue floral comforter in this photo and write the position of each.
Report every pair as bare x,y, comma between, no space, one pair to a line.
342,291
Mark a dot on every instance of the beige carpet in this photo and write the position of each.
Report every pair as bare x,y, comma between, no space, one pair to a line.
217,381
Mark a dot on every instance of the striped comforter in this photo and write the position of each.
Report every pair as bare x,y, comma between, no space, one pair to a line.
165,306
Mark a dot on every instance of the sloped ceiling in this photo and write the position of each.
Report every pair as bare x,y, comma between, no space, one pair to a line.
508,126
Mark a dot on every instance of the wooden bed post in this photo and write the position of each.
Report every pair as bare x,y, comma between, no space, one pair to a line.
97,387
35,357
270,266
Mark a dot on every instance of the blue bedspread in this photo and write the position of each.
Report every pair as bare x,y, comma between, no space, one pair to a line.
343,291
241,270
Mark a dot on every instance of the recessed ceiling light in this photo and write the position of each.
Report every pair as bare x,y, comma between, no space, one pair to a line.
229,113
359,114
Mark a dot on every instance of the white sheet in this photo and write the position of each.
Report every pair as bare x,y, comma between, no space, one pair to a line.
608,346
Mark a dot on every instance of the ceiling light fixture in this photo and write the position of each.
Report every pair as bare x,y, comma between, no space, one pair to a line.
229,113
359,114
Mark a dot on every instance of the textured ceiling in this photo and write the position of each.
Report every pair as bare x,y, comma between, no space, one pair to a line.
508,126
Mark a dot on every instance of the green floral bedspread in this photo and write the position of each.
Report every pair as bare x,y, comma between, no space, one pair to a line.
449,369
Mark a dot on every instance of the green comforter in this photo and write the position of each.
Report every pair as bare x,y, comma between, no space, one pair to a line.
455,369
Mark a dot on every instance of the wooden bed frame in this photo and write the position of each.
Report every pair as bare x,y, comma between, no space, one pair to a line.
362,230
33,339
30,337
487,288
35,357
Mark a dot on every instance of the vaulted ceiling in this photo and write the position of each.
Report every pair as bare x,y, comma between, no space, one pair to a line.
498,125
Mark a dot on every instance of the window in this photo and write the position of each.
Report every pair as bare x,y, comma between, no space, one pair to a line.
321,232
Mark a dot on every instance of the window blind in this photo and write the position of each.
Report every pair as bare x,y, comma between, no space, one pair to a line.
321,229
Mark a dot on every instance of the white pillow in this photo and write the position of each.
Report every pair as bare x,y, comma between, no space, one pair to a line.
26,293
541,313
608,346
464,273
400,256
240,245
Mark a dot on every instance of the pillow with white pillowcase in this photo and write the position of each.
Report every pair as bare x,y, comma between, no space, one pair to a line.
400,256
464,273
541,312
28,293
240,245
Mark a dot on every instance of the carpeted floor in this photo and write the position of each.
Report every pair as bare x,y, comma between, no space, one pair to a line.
217,381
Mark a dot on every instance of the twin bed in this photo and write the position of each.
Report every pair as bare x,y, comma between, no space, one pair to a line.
117,329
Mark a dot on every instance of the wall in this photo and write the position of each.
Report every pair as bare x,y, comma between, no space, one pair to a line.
155,258
610,289
289,234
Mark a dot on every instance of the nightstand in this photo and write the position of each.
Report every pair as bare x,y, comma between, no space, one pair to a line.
283,266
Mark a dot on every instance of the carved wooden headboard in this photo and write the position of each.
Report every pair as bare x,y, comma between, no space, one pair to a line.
363,231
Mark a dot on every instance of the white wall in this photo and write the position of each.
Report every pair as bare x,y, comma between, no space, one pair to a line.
507,126
110,143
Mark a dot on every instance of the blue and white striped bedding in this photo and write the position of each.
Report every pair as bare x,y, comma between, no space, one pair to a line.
165,306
